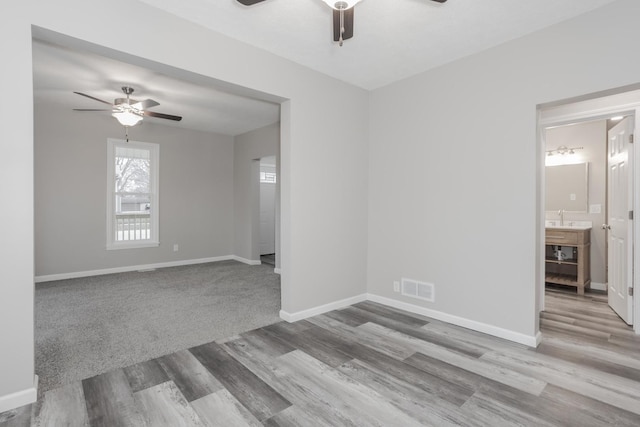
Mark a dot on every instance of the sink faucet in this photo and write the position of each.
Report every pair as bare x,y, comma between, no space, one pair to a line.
561,213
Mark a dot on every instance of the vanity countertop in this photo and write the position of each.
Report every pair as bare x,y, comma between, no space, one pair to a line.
569,225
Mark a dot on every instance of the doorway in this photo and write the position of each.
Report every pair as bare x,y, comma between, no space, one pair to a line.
566,118
268,180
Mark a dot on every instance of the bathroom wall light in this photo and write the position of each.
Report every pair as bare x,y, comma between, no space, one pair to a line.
617,118
563,150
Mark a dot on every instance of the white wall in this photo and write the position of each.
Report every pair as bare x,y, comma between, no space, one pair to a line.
196,192
249,149
17,382
454,197
593,137
315,134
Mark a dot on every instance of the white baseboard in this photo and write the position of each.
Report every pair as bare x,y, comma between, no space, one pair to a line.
20,398
598,286
530,340
299,315
246,261
77,274
538,338
277,271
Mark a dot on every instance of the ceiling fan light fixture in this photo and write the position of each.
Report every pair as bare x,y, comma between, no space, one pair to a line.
341,4
127,118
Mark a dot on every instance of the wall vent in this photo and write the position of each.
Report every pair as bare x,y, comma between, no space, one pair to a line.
415,289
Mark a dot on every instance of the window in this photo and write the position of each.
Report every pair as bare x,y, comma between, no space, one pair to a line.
132,194
268,177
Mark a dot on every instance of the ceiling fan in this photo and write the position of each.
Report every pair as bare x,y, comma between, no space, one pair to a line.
127,111
342,16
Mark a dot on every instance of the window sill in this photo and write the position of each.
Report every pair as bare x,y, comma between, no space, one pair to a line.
132,245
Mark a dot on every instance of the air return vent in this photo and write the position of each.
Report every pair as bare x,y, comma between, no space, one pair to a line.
415,289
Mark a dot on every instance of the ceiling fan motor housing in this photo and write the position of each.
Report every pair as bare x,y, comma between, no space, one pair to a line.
120,101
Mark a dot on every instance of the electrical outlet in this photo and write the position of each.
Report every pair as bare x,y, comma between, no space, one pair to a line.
176,248
396,286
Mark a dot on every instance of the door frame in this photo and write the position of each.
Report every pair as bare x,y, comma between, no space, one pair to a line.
576,111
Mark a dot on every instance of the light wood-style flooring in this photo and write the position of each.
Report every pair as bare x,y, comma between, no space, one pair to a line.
370,365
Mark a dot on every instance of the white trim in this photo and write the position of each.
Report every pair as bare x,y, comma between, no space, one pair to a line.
530,340
89,273
247,261
20,398
304,314
598,286
277,271
538,338
77,274
132,244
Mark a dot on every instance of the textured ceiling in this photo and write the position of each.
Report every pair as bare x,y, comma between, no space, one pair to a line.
393,39
58,72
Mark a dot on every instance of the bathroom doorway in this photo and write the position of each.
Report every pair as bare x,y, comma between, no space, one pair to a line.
582,136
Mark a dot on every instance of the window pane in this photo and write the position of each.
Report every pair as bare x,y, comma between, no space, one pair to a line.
268,177
130,227
132,174
132,217
133,153
133,203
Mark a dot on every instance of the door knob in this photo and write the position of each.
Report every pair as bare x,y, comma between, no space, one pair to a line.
606,227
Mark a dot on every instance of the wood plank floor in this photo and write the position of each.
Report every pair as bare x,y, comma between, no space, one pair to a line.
370,365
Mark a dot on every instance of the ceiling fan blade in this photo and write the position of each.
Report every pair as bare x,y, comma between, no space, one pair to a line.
440,1
348,24
89,109
147,103
249,2
92,97
162,116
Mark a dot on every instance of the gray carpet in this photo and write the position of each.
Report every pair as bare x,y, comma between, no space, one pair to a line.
88,326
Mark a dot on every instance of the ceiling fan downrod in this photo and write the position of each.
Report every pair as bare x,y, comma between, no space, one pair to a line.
341,6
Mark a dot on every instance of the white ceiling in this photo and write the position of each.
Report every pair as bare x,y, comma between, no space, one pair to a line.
59,71
393,39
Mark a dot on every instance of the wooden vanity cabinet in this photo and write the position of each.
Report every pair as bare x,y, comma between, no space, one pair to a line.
574,269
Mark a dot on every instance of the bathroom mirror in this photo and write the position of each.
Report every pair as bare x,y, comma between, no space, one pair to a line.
567,187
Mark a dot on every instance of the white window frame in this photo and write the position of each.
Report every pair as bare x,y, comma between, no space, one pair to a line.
154,151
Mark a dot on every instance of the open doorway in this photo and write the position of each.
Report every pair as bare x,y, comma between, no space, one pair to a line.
587,234
268,181
97,308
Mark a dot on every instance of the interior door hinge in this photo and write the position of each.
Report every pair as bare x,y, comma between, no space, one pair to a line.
630,214
630,292
631,138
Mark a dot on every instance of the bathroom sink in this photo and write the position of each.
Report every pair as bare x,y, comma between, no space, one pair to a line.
571,225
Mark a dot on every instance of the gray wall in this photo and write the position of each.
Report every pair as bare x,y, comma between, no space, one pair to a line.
454,161
593,137
196,192
249,148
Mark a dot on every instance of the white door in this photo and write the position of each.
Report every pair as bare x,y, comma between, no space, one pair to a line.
267,218
619,225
